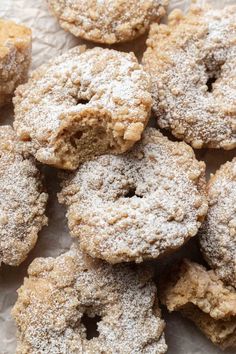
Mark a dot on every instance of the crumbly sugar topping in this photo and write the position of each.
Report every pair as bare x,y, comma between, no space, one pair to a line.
192,62
138,205
201,296
15,57
22,201
75,92
59,292
107,21
218,234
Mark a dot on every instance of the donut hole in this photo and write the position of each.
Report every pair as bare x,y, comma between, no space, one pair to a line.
82,101
91,325
131,192
213,71
210,83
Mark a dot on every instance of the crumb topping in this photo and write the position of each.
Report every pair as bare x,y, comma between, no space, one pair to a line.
218,234
192,62
22,201
107,21
138,205
15,57
201,296
83,103
60,292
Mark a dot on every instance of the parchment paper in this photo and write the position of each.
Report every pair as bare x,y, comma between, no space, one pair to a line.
50,40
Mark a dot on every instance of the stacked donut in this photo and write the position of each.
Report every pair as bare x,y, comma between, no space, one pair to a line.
131,193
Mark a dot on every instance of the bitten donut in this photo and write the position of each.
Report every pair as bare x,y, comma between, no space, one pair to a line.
63,293
218,234
139,205
107,21
202,297
22,201
15,57
192,62
83,103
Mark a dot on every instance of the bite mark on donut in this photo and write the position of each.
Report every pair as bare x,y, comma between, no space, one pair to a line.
81,91
85,134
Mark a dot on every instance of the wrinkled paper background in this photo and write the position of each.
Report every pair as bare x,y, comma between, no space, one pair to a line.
50,40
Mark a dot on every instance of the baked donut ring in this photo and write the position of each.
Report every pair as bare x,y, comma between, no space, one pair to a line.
218,234
192,62
142,204
62,292
107,21
22,200
202,297
15,57
83,103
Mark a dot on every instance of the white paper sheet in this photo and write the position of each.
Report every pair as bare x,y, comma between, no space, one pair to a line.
50,40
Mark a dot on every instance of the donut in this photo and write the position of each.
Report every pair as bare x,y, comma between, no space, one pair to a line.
81,104
62,294
218,233
107,21
22,200
15,57
139,205
192,62
202,297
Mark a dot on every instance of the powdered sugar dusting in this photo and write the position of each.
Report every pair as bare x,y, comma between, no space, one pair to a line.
22,201
183,58
59,291
201,296
113,89
107,21
15,57
218,236
165,208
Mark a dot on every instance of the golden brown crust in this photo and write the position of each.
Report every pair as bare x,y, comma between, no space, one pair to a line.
51,304
22,201
201,296
15,57
184,59
138,205
218,234
106,21
83,103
